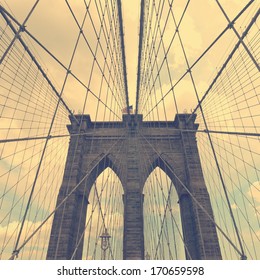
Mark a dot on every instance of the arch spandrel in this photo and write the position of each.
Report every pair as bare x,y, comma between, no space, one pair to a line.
96,168
168,168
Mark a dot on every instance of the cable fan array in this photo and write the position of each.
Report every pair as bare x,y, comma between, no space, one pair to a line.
45,84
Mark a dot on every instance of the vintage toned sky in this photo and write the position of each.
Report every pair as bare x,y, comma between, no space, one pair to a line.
52,24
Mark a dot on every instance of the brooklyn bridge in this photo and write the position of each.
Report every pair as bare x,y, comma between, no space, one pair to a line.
129,130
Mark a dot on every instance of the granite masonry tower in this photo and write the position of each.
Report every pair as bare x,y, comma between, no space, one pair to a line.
169,145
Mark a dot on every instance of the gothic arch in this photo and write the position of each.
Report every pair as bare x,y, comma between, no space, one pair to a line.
171,227
101,216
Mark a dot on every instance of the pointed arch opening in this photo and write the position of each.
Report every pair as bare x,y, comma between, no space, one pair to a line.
162,221
103,238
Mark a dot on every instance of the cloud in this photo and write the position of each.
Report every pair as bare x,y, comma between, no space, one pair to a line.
35,247
234,206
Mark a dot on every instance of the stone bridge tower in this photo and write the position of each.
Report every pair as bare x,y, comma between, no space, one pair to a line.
169,145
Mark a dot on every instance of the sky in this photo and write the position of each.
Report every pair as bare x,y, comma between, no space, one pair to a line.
53,25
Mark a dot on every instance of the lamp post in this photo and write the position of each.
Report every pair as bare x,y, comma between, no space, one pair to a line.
104,243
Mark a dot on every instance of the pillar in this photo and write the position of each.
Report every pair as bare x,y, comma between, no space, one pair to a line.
133,245
199,230
69,220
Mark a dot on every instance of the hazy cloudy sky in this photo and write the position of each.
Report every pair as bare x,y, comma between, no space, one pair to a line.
53,25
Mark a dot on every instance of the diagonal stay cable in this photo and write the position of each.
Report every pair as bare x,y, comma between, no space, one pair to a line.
237,34
17,33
